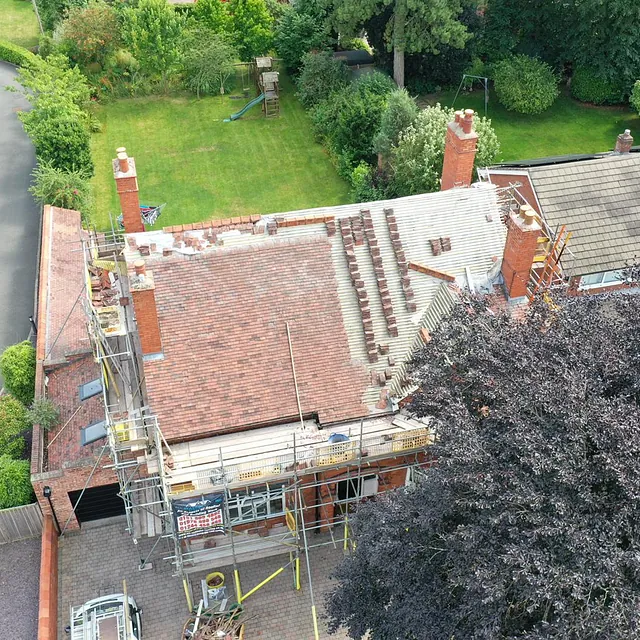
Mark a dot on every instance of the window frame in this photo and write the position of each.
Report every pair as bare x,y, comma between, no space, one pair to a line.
251,504
616,274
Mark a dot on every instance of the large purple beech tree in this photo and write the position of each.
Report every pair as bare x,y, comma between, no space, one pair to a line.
528,525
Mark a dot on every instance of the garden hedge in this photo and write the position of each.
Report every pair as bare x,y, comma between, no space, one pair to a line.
588,86
14,54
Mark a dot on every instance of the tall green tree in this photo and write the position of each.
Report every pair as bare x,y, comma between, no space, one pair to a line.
213,14
252,28
208,62
153,33
91,32
413,26
528,525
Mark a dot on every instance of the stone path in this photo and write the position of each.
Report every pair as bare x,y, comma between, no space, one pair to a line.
94,561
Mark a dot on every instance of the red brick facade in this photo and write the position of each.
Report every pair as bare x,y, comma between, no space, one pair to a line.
459,152
144,302
519,251
127,188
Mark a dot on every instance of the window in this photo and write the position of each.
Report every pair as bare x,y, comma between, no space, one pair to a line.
601,279
248,505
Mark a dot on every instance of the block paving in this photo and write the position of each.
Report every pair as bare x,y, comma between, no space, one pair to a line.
94,561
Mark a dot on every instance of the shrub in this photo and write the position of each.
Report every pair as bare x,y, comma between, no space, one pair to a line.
348,120
320,76
400,112
15,54
54,81
364,187
588,86
61,137
296,34
91,32
18,368
634,99
416,161
13,423
15,483
251,28
208,62
44,413
524,84
61,188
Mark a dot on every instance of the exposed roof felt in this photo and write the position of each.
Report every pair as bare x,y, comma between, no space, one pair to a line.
598,201
61,318
226,362
221,306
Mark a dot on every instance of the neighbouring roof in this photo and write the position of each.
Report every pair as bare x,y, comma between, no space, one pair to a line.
62,322
357,283
598,202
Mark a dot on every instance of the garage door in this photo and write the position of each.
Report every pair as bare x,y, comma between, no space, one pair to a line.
98,502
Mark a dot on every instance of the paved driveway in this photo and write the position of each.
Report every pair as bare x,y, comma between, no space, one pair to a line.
19,218
19,582
94,561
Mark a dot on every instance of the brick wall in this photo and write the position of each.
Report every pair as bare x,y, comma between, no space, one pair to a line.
519,251
48,596
70,479
127,188
459,153
144,302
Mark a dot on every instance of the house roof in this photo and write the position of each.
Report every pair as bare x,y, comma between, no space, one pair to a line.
223,318
62,322
598,202
357,283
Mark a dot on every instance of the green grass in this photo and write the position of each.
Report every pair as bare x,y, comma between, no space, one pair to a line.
567,127
205,168
18,23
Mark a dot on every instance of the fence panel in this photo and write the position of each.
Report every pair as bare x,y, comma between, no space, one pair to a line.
20,523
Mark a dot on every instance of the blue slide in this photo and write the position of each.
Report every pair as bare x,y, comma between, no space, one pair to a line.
253,103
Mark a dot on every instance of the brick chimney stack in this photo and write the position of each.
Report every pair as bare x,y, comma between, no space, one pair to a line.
624,142
459,151
124,172
519,251
144,303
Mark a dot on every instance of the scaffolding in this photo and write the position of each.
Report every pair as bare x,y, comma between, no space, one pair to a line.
285,489
553,263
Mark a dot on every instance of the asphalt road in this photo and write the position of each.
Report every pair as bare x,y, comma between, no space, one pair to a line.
19,218
19,583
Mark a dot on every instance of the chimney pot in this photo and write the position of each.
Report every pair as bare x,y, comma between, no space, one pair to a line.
139,267
123,162
467,122
624,142
458,115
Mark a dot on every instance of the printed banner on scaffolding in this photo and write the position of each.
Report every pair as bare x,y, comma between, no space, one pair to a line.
198,516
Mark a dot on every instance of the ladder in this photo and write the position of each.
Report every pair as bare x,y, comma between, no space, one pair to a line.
550,271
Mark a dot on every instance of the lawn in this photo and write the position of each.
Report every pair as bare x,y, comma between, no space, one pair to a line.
205,168
18,22
567,127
